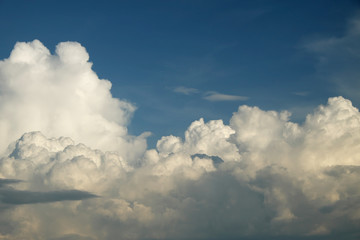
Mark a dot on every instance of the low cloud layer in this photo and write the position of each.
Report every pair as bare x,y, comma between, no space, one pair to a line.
260,177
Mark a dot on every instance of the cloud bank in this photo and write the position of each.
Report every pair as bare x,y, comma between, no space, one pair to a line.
260,177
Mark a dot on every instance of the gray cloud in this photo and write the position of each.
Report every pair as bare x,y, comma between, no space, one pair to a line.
16,197
11,196
215,97
185,90
73,237
5,182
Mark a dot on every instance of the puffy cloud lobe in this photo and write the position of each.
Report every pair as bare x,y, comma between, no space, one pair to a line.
261,175
60,95
72,53
202,138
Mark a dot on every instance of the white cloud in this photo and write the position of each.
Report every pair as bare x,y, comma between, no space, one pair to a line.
185,90
60,95
261,175
277,177
215,96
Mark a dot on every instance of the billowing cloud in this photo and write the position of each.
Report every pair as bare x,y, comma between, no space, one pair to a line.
260,176
215,96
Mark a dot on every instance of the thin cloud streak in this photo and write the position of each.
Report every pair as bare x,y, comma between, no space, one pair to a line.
212,96
185,90
17,197
338,58
11,196
215,97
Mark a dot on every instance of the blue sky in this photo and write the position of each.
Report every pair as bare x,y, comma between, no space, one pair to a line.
147,49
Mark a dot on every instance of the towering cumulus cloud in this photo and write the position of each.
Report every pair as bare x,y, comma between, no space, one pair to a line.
60,95
260,177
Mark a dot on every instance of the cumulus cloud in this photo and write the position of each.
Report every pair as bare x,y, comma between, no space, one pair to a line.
215,96
60,95
260,176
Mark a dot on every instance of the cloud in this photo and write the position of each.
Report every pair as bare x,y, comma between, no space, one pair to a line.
338,58
15,197
185,90
260,176
5,182
60,95
302,94
11,196
210,95
215,96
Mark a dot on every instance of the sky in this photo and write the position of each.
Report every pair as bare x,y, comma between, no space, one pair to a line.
147,49
179,119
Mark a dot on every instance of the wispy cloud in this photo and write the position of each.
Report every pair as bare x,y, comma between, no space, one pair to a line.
215,97
210,95
302,93
185,90
339,58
